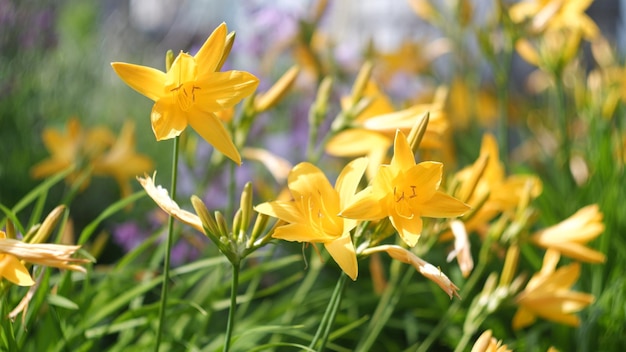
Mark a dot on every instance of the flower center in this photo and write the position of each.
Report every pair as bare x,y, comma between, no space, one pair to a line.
185,95
402,197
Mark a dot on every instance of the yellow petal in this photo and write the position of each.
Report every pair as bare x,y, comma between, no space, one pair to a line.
222,90
306,180
357,142
342,251
348,180
300,232
403,157
523,317
365,206
527,52
145,80
168,120
286,211
48,167
408,229
183,70
425,179
442,205
213,131
13,270
211,51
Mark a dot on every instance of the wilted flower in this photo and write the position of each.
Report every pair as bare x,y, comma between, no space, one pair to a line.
13,252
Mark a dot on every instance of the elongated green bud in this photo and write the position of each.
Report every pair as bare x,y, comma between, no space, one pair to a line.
210,227
417,131
169,60
48,225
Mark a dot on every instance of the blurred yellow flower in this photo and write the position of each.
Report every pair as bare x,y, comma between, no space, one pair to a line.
76,147
13,252
405,191
312,215
553,51
191,92
502,193
93,151
373,129
121,161
570,235
548,295
550,15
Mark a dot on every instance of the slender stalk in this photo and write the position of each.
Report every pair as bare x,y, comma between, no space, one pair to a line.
323,330
563,120
454,307
386,306
233,307
168,249
465,339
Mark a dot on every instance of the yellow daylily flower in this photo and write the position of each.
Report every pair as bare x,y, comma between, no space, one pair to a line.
76,147
12,252
569,236
405,191
555,15
312,215
121,161
548,295
502,192
192,92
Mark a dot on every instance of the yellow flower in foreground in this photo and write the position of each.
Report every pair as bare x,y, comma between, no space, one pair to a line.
487,343
12,252
547,295
569,236
191,92
121,161
404,192
312,215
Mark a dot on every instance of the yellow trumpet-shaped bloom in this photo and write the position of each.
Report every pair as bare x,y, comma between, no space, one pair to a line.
570,235
192,92
548,295
121,161
405,191
312,215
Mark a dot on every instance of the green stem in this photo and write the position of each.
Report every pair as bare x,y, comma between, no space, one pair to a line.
233,307
465,339
563,120
467,289
168,249
323,330
386,306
